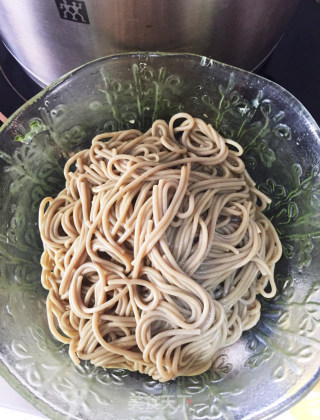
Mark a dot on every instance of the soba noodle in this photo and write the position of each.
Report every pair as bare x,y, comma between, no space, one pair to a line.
156,249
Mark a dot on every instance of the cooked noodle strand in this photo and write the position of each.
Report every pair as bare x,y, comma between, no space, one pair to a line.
156,249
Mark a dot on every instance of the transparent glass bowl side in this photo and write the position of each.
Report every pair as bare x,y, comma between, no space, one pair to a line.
281,141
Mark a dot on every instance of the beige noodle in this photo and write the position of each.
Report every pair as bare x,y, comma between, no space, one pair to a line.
155,251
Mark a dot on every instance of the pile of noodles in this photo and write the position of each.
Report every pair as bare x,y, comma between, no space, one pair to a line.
156,249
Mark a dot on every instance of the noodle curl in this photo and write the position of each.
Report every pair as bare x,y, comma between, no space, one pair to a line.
155,251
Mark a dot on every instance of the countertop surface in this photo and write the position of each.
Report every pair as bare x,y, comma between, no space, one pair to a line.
294,64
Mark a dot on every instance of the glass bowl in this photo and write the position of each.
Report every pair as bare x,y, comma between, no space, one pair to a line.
273,365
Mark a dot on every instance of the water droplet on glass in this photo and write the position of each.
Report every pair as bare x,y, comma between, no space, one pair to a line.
95,105
8,310
243,109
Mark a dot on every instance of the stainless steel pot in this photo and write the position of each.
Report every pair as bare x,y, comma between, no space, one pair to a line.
51,37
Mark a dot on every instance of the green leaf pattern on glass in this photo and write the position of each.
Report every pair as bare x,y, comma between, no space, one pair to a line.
253,123
150,94
287,316
138,102
295,213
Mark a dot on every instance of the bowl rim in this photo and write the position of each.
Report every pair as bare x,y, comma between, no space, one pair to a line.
203,61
